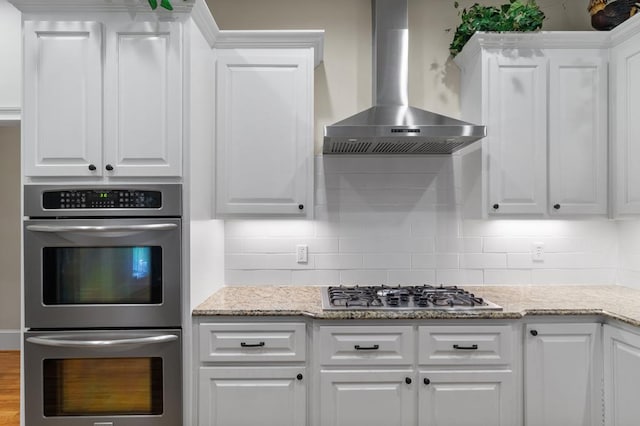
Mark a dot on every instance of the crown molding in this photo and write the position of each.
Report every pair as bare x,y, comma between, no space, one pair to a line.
130,6
203,18
10,117
274,39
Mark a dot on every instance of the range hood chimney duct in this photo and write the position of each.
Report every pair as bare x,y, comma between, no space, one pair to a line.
391,126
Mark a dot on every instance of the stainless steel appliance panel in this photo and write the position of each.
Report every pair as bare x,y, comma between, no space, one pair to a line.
123,377
92,273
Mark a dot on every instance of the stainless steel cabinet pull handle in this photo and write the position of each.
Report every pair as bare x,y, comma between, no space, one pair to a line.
147,227
52,341
251,345
466,348
367,348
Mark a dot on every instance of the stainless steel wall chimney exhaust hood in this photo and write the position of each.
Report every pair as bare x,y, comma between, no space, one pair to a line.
392,126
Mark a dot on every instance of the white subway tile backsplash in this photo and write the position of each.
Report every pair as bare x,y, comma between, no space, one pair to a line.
338,261
411,277
386,261
384,245
395,220
483,260
458,245
257,277
280,245
363,277
266,261
459,276
315,277
573,276
507,276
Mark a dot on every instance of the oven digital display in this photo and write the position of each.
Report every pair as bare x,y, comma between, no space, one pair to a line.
101,199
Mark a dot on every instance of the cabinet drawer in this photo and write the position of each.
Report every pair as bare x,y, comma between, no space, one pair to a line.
363,345
455,345
252,342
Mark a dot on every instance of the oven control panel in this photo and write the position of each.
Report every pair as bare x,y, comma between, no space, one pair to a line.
101,199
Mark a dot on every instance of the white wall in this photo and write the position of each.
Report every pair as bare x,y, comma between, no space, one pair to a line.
10,228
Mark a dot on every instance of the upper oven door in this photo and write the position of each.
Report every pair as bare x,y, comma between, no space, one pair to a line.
88,273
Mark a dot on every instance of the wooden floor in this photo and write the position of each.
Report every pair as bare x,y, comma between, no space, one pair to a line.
9,388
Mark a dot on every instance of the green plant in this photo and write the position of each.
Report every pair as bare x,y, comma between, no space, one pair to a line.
517,15
163,3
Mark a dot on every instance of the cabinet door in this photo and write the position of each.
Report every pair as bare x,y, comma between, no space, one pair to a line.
367,398
251,396
11,64
62,111
264,140
621,377
578,133
563,375
143,99
625,127
517,135
467,398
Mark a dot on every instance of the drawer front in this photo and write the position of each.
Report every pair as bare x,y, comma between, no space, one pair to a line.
461,345
252,342
364,345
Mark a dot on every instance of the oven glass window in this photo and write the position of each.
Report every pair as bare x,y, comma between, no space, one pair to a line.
103,387
102,275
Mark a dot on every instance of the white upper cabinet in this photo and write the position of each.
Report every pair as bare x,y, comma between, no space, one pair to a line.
578,107
70,129
544,99
264,135
625,110
516,121
143,99
11,64
62,115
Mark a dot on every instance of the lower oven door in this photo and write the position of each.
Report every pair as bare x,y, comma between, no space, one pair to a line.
106,378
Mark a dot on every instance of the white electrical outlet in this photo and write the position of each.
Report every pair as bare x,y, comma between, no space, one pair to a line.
302,253
537,252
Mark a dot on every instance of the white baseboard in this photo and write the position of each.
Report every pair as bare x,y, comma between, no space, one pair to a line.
9,340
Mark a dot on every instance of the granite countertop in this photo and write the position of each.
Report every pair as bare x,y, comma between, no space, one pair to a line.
615,302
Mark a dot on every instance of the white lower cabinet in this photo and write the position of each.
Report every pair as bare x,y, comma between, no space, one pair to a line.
364,373
252,396
563,375
621,377
467,398
251,373
367,398
441,375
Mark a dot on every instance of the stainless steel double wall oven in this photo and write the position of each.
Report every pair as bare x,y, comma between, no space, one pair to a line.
102,293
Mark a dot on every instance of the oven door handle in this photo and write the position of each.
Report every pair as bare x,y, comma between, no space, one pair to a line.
52,341
116,228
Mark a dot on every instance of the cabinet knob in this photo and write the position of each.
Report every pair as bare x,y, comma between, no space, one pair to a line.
301,206
408,380
109,167
496,206
534,332
299,377
427,381
556,206
92,167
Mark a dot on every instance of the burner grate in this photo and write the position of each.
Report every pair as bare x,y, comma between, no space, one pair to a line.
404,297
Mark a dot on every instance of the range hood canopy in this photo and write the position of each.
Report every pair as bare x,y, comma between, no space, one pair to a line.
392,126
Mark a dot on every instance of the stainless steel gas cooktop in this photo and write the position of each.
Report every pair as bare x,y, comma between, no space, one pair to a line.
423,297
